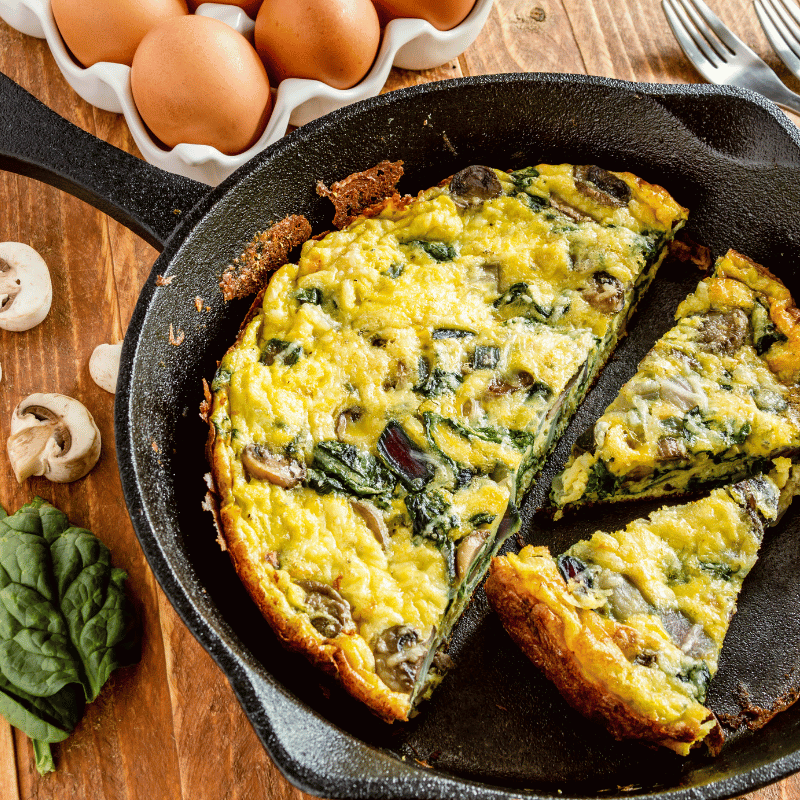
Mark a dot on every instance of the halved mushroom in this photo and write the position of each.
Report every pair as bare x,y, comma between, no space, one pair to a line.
374,521
624,599
25,288
473,185
468,549
565,208
602,186
52,435
399,654
689,637
262,464
328,611
671,449
724,332
345,417
104,366
605,293
679,391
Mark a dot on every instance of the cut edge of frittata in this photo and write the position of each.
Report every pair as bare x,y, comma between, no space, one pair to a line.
689,443
628,643
288,602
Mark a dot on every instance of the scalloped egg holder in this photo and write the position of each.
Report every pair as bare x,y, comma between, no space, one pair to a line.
405,43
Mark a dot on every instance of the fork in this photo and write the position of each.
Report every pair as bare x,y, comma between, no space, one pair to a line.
721,57
781,23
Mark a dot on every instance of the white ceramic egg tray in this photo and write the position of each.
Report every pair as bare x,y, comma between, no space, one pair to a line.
406,43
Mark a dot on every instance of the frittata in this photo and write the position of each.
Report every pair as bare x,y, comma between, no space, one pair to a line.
391,396
714,400
629,625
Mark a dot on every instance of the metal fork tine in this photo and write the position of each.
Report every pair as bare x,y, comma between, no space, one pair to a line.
776,32
789,24
681,31
793,10
699,9
690,39
722,50
719,56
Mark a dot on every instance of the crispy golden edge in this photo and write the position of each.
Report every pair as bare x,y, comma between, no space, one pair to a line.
266,252
782,309
327,654
359,194
539,633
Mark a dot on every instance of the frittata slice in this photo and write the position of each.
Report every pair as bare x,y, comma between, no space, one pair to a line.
391,396
713,401
629,625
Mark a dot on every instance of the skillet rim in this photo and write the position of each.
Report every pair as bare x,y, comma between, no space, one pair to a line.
248,677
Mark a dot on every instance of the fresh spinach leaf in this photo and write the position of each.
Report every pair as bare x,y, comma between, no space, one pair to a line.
65,623
94,604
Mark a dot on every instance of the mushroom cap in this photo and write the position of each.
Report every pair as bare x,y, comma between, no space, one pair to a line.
104,366
52,435
26,291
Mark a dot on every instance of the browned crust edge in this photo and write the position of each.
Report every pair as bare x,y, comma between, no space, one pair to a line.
360,192
266,252
539,633
328,655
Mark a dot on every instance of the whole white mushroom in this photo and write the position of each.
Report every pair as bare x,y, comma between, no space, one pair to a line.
52,435
26,291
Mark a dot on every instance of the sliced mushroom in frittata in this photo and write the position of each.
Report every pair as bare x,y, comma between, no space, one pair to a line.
714,400
391,397
629,625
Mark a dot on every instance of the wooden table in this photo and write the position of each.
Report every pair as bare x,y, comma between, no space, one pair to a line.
170,727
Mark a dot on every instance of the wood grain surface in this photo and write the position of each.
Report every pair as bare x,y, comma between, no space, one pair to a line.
170,727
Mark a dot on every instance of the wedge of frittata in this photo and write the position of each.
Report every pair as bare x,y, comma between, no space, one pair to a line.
715,399
391,396
629,625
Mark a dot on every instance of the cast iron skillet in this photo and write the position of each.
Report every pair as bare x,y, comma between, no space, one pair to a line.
495,728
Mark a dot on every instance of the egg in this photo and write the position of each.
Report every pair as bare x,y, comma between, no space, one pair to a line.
195,79
250,7
110,30
442,14
334,41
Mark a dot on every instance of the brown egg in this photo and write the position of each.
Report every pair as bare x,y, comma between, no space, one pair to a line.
110,30
334,41
250,7
442,14
197,80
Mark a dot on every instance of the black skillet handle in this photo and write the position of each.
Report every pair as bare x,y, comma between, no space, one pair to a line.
36,142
